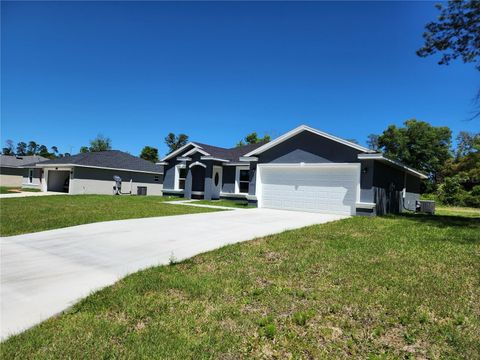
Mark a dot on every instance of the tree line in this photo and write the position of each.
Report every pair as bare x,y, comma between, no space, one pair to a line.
31,148
453,172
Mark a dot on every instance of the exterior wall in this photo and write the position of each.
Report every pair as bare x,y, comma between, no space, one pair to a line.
169,170
379,183
366,181
10,176
36,180
388,184
228,179
309,148
100,181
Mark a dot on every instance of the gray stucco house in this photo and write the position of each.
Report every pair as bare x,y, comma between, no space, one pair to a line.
20,170
305,169
93,172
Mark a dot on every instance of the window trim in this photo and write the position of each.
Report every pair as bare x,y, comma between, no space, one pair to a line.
30,176
177,176
237,178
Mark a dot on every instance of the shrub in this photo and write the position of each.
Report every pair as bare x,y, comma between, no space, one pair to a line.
451,192
473,197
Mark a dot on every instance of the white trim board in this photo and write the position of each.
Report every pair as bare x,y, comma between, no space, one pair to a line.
214,159
178,151
300,129
195,150
237,177
197,163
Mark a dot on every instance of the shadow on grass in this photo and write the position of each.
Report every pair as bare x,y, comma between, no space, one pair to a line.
449,221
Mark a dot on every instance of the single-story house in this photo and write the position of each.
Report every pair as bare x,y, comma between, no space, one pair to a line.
93,173
305,169
14,173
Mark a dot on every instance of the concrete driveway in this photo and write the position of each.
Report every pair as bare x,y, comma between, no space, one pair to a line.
46,272
30,194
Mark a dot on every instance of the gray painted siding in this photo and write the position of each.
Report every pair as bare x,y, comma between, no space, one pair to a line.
100,181
11,171
309,148
169,175
228,179
169,170
36,181
107,175
388,184
366,181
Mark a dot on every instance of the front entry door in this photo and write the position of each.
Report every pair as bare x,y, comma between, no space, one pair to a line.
216,182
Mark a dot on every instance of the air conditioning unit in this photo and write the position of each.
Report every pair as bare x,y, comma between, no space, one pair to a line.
425,206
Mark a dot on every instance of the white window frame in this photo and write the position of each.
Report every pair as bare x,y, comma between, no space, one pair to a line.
237,178
177,176
30,177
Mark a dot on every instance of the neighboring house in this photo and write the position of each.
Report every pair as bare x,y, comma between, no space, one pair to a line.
13,171
93,172
304,169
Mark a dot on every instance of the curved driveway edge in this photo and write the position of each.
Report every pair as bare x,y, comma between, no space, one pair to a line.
46,272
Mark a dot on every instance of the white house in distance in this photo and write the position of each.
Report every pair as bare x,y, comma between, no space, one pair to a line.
17,171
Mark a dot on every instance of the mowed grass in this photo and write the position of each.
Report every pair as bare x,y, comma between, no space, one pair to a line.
16,189
32,214
460,211
381,288
241,204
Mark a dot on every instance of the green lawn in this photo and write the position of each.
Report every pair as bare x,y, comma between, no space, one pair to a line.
242,204
32,214
14,189
455,210
370,288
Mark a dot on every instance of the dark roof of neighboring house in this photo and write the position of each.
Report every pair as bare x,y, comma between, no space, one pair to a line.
18,161
112,159
232,154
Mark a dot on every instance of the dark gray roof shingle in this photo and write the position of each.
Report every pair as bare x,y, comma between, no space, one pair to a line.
232,154
114,159
17,161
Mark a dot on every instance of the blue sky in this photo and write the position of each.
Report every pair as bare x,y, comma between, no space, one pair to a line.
217,71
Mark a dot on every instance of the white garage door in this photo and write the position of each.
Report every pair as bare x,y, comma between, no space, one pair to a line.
316,188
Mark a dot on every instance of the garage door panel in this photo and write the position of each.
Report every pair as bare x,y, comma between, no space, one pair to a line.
319,189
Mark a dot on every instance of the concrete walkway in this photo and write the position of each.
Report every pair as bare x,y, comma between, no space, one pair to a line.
44,273
30,193
192,203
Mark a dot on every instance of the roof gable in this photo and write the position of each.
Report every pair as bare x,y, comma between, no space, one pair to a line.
178,151
230,154
303,128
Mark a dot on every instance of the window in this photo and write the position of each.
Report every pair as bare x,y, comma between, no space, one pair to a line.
182,175
30,176
217,179
243,181
156,178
